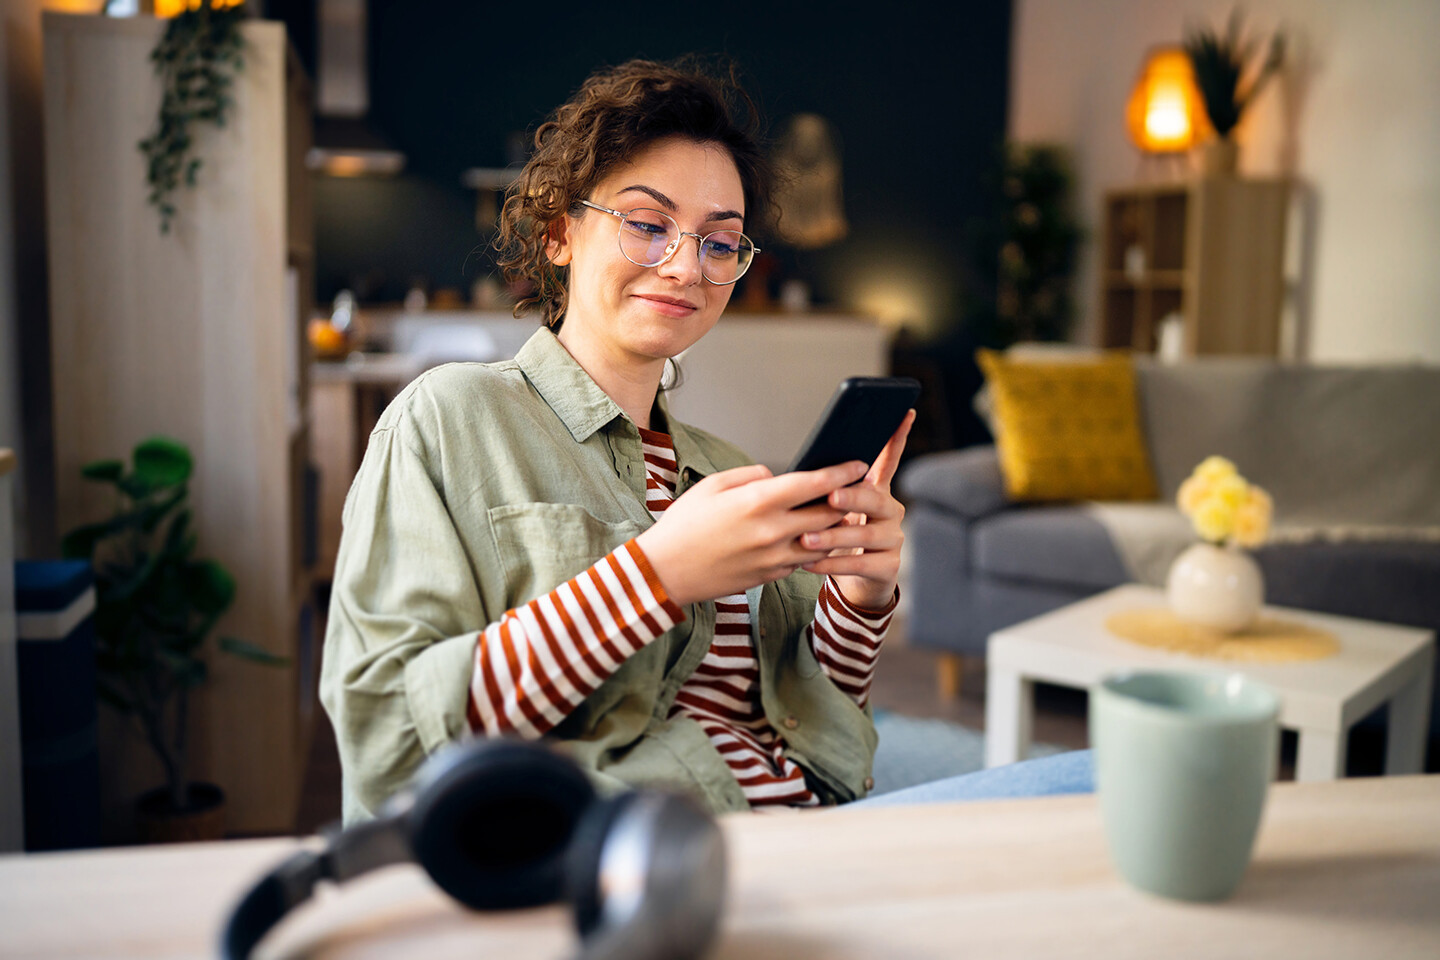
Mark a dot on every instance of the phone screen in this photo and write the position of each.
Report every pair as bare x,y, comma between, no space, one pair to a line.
862,415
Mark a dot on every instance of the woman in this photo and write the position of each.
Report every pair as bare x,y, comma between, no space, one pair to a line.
534,548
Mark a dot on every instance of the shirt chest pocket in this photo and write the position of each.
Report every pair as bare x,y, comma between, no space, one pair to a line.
541,545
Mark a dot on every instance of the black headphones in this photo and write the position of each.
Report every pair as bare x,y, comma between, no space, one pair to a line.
500,824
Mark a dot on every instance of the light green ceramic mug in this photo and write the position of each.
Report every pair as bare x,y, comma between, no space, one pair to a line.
1183,762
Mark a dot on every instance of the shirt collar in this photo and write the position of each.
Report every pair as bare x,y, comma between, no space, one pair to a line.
688,455
583,407
562,383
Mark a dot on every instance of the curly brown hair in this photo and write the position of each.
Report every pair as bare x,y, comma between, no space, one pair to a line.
616,113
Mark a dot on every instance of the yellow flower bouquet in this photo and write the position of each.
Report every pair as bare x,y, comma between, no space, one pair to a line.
1223,506
1215,584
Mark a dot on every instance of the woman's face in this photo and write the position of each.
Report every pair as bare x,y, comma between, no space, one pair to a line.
634,314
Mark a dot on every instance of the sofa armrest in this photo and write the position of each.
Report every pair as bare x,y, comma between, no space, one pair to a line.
966,482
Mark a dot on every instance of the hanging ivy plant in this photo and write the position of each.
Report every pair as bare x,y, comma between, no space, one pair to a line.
197,60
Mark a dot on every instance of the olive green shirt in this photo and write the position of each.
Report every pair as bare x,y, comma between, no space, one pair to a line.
487,485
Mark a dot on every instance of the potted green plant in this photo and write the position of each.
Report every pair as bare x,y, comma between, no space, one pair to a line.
1038,236
156,606
196,59
1221,63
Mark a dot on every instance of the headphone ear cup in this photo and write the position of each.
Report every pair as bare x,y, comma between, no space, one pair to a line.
646,877
582,864
493,820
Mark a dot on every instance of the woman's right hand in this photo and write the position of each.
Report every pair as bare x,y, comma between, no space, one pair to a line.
740,528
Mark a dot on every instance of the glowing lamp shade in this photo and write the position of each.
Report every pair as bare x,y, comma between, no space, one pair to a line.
166,9
1165,113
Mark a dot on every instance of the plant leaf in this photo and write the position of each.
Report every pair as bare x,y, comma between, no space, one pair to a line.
209,586
249,651
129,587
135,487
79,544
162,462
188,671
178,543
110,470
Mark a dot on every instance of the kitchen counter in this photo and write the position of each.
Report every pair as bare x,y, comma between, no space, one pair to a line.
390,369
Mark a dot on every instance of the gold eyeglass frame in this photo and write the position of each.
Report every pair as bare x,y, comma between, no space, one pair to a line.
675,246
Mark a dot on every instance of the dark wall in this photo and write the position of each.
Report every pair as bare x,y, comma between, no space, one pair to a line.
918,100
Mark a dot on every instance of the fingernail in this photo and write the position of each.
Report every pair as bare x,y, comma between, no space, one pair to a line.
809,539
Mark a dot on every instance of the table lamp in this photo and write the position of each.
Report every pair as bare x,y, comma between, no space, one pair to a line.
1165,113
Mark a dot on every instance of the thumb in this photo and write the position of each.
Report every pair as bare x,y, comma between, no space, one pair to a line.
883,470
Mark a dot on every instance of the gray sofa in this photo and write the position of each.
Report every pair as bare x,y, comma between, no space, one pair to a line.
1351,456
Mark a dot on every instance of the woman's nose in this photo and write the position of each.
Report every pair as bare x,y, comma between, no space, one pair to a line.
683,264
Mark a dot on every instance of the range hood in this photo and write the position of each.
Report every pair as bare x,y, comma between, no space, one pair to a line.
346,144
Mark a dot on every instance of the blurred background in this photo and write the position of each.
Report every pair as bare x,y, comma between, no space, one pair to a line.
967,176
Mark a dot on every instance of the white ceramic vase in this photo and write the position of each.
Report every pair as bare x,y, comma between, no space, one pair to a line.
1216,587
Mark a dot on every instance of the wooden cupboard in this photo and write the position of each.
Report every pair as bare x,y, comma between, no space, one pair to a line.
1211,250
197,334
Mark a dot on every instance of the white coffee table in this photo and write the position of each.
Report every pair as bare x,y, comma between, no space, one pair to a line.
1321,699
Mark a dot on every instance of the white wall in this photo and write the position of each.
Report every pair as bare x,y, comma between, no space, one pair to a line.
1356,120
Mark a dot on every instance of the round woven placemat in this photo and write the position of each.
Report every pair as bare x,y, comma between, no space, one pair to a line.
1267,640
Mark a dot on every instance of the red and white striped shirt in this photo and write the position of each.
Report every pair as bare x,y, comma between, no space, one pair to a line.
540,661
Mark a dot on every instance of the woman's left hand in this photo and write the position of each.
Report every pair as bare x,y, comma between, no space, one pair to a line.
865,547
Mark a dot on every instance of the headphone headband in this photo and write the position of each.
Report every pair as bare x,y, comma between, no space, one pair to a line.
500,824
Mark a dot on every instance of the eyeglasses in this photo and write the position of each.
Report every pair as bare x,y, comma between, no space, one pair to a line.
649,237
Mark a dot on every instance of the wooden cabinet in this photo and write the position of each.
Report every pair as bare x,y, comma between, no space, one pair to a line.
1211,251
197,334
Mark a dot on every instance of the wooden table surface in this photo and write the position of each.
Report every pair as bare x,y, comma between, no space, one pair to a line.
1349,868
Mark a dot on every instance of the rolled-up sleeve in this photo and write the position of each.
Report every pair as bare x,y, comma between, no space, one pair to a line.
405,613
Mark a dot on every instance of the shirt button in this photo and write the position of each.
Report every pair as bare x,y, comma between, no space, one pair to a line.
869,783
791,723
762,633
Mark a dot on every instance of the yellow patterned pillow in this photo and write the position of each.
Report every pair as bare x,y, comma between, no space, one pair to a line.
1068,430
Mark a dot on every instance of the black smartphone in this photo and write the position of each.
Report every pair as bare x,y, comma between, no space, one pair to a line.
862,415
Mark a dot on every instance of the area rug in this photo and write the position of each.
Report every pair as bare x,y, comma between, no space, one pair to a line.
915,750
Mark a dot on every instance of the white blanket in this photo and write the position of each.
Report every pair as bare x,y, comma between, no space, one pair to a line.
1149,536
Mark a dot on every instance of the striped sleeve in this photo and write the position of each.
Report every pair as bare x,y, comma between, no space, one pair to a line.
846,640
540,661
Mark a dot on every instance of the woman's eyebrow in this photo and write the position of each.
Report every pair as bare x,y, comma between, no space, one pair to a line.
659,197
673,207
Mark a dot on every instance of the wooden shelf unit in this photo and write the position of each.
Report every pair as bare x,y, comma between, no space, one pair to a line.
1211,250
197,334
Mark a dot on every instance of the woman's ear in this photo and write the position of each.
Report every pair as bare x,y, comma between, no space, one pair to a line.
557,242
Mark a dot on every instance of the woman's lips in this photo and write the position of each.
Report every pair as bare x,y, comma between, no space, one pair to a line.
669,306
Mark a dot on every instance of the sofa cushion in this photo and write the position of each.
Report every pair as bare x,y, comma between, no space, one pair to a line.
965,482
1069,430
1335,446
1048,544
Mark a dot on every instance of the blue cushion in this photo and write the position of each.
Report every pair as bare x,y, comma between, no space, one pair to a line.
44,586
